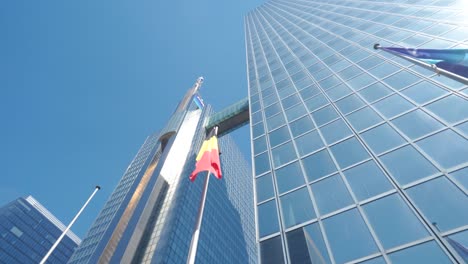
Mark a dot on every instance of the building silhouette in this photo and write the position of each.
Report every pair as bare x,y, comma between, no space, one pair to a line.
359,156
27,232
150,216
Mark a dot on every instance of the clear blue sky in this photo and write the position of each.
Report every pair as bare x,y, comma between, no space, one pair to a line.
84,82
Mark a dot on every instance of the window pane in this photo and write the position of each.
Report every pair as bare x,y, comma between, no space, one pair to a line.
407,165
297,207
316,102
289,177
324,115
349,104
427,253
283,154
264,186
306,245
295,112
424,92
364,118
279,136
393,105
461,176
348,236
393,221
335,131
301,126
271,251
259,145
382,138
275,121
308,143
318,165
349,152
267,218
258,130
262,163
447,148
331,194
401,80
367,180
375,92
416,124
452,109
378,260
442,203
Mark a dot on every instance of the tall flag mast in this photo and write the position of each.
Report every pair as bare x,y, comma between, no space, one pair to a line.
207,160
452,63
96,189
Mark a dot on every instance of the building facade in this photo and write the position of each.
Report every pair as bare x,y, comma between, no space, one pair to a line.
27,232
150,216
359,156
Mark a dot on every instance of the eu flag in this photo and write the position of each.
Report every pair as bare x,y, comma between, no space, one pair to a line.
451,60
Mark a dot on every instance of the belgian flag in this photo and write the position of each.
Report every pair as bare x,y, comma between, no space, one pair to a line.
208,157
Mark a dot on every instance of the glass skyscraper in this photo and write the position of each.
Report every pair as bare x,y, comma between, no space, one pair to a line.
359,156
151,214
27,232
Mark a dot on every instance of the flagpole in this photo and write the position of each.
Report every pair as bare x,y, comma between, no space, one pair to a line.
196,233
69,226
432,67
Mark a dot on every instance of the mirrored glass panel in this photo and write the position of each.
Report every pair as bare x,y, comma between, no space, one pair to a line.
382,138
416,124
331,194
447,148
427,253
407,165
367,180
318,165
297,207
393,221
345,245
264,187
306,245
283,154
289,177
442,203
267,218
349,152
271,251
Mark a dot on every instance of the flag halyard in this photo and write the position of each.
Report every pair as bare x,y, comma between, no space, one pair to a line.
208,157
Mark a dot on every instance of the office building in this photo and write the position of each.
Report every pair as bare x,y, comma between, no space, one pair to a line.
359,156
27,232
150,216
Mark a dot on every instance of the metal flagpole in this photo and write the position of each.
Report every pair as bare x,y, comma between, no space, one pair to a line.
196,233
432,67
68,227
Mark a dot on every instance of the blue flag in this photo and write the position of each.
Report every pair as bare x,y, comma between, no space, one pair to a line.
452,60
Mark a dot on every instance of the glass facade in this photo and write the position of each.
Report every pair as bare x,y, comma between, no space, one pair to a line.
28,231
150,217
359,156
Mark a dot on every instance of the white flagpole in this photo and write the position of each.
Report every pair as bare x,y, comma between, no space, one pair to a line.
68,227
432,67
196,233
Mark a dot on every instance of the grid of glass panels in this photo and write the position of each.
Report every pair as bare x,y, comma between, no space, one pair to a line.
94,239
359,156
27,234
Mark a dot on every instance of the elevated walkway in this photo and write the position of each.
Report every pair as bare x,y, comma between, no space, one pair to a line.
230,118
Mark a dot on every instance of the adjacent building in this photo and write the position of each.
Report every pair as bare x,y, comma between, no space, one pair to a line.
150,216
27,232
359,156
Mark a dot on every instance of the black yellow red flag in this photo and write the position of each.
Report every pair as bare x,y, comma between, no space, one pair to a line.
208,157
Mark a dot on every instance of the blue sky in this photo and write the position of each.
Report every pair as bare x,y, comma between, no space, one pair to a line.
84,82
